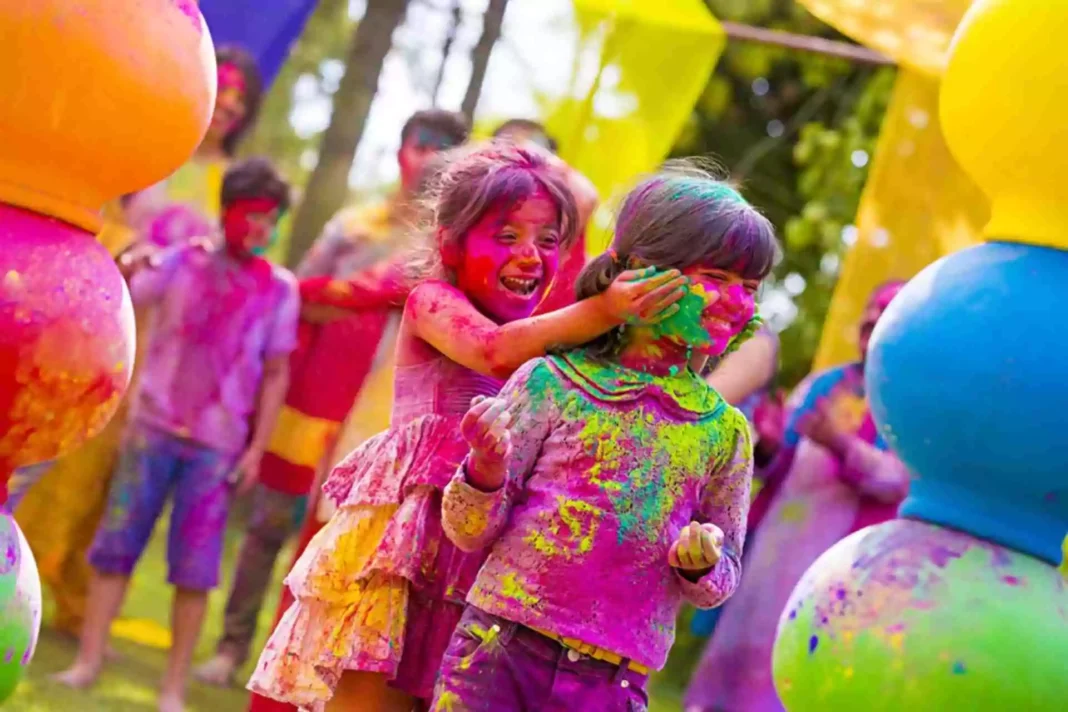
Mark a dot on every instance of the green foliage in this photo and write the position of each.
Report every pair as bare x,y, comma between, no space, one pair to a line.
786,125
833,160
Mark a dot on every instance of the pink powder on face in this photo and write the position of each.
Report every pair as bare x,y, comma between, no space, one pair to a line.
510,257
730,308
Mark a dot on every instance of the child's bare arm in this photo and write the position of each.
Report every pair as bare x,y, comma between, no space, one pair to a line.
445,318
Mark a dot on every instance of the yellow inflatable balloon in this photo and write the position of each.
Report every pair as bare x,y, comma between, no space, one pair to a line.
1003,108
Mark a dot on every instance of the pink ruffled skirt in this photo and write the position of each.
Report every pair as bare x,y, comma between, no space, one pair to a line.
380,588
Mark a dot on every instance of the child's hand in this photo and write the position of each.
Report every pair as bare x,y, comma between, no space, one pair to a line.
698,548
246,471
644,296
485,428
138,256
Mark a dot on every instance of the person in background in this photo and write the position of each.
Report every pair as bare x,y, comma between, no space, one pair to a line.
833,475
342,379
186,204
60,512
224,322
525,131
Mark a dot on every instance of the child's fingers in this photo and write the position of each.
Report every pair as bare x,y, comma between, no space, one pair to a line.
694,548
710,548
633,275
673,556
663,315
653,308
492,414
478,409
683,546
657,285
498,427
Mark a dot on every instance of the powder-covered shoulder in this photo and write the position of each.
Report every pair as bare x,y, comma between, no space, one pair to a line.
535,376
735,436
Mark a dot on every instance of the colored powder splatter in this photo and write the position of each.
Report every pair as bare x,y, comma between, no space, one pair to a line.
813,643
448,701
512,588
958,668
685,324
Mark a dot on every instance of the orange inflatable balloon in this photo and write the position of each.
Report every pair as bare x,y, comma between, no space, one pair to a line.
101,98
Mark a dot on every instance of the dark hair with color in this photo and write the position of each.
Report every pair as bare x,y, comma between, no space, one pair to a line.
682,216
451,124
254,178
250,71
529,126
470,182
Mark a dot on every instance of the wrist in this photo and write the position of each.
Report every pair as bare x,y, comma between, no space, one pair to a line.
603,310
694,575
482,473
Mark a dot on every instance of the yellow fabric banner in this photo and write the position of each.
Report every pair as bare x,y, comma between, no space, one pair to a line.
917,206
914,33
640,67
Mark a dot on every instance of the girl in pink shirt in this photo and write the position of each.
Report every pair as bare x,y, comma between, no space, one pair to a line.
611,482
380,588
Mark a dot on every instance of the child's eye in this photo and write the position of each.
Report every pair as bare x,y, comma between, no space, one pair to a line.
549,239
507,237
751,287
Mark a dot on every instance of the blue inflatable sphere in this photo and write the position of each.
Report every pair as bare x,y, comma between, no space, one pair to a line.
967,381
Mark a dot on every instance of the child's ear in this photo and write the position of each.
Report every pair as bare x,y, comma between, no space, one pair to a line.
451,251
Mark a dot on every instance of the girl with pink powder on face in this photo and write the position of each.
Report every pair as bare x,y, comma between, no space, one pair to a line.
380,589
611,482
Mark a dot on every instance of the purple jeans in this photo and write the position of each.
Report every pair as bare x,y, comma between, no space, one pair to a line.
497,665
153,465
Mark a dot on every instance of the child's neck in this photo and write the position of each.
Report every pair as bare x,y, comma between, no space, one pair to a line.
646,353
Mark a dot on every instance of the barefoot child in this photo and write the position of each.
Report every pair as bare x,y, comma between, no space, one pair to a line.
380,589
610,481
223,324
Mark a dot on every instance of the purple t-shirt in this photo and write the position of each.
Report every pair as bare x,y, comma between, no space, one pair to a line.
215,322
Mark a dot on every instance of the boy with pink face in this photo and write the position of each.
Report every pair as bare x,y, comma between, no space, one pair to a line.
612,463
223,323
380,589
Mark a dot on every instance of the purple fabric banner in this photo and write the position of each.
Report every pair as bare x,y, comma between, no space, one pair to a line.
266,29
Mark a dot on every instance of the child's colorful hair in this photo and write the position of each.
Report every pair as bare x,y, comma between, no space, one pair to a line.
680,217
476,180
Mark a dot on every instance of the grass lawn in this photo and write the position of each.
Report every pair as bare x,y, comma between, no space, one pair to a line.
129,684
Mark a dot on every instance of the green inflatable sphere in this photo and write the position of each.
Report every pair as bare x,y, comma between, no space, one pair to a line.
911,616
20,605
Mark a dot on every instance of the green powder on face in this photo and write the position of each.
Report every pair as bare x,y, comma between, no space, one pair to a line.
685,324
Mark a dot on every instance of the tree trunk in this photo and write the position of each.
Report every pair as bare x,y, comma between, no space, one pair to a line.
480,55
328,185
455,17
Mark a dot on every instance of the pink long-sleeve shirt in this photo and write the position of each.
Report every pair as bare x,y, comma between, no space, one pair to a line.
608,466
